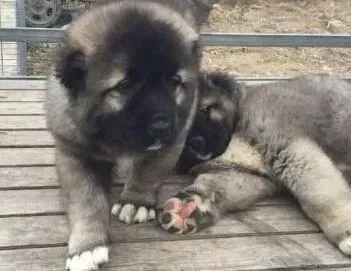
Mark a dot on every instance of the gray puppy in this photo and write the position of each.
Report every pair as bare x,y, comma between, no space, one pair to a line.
300,129
120,102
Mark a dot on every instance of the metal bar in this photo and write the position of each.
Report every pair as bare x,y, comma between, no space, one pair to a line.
239,78
31,34
22,46
207,39
275,40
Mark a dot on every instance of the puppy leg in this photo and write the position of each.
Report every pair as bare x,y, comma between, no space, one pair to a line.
320,188
139,197
213,194
88,213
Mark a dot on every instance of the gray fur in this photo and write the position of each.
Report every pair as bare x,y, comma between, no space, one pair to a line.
86,164
301,130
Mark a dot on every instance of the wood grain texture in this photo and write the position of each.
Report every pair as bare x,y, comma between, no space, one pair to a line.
47,200
22,84
22,95
25,138
42,201
20,122
295,252
270,220
272,235
27,177
21,108
39,177
26,156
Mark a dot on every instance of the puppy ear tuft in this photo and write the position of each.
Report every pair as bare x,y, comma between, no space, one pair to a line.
71,69
222,81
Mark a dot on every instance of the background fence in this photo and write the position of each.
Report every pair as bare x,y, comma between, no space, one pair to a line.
26,51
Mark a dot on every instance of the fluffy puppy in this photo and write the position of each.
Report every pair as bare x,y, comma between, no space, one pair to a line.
300,130
120,102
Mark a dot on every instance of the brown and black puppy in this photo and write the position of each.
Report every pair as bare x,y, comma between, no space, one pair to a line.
120,102
299,130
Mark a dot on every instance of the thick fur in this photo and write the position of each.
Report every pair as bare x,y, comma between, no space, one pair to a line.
121,99
301,130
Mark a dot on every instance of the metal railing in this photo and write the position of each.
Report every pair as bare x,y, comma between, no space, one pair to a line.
207,39
23,34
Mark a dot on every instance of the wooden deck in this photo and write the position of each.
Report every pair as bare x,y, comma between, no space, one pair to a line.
274,235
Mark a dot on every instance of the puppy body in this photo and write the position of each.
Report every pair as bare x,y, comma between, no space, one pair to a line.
120,102
300,129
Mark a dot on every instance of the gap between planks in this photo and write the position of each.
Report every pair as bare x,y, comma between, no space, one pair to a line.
19,232
46,201
294,252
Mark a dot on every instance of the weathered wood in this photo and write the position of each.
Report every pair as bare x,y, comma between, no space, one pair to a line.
41,177
22,95
23,202
26,156
21,123
38,230
47,200
25,138
27,177
42,201
22,84
295,252
21,108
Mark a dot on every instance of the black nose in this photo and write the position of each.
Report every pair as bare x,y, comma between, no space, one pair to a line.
197,144
159,124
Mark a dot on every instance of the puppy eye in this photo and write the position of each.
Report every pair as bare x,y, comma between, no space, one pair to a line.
176,80
205,113
123,84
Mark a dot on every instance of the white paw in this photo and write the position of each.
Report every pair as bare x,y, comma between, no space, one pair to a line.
129,213
88,260
345,246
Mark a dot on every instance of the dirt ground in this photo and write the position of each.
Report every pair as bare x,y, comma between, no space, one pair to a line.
265,16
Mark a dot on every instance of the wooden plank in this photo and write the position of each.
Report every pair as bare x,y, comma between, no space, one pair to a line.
22,95
25,138
22,84
262,253
26,156
21,108
38,230
27,177
46,200
44,177
24,202
21,123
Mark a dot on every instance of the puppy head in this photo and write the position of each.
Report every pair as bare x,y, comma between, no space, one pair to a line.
130,70
213,126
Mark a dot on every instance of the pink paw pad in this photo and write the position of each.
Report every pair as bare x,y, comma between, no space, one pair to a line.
176,217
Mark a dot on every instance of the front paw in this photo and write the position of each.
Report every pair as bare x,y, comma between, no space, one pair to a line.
186,213
89,260
132,213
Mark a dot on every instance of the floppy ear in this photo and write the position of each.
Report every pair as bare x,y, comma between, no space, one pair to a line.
71,69
224,82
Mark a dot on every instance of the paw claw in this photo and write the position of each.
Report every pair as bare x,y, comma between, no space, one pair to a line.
152,214
116,208
345,246
142,215
129,213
